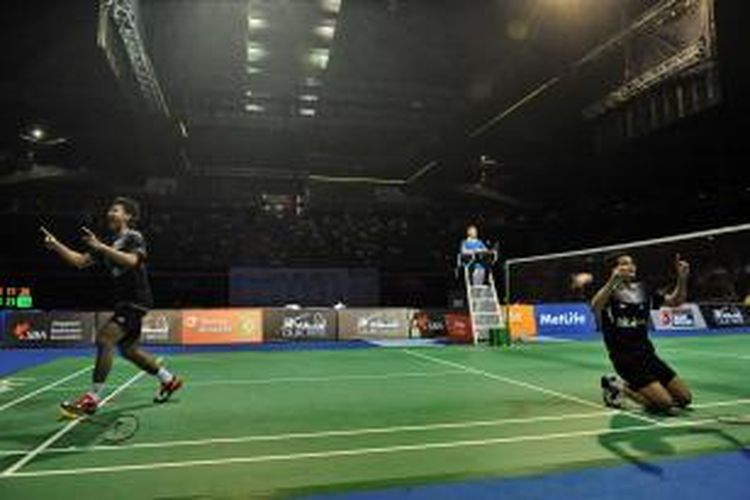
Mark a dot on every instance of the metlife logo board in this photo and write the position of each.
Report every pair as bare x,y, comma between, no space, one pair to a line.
564,319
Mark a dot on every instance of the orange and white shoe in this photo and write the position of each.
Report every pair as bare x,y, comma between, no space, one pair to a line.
167,389
85,405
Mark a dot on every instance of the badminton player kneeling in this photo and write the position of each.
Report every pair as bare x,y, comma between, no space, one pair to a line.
623,306
124,260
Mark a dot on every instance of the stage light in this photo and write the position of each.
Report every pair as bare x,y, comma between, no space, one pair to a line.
255,52
319,58
253,70
256,23
37,133
309,112
332,6
254,108
308,98
326,30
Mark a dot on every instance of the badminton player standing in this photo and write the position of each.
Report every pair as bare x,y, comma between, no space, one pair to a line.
623,307
124,260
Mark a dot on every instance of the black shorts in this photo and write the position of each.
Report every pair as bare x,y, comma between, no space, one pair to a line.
642,369
129,318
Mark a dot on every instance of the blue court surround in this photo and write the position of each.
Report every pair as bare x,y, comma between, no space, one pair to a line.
724,476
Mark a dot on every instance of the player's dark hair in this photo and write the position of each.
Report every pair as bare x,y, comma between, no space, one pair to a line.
612,260
130,206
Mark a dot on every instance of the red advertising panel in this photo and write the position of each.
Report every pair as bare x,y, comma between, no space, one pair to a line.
222,326
459,327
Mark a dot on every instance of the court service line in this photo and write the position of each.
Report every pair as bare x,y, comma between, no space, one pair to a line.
67,428
527,385
337,378
354,432
355,452
47,387
330,433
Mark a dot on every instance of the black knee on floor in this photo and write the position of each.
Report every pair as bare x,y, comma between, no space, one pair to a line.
684,401
662,405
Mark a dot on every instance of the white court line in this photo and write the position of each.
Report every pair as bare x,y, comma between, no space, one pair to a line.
527,385
361,431
701,352
331,433
283,380
357,451
68,427
47,387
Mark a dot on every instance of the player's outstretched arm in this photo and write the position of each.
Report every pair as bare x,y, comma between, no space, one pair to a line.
123,259
67,254
601,298
679,295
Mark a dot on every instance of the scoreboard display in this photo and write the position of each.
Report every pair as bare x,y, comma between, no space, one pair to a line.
16,297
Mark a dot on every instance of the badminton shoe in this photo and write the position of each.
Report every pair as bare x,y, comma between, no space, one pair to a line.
167,389
612,392
85,405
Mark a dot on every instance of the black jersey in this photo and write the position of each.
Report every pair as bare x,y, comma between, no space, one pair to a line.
130,284
625,318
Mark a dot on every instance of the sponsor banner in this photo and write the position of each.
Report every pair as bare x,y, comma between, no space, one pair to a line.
300,324
726,315
564,319
222,326
161,327
74,328
373,324
427,324
684,317
521,321
459,327
26,328
39,329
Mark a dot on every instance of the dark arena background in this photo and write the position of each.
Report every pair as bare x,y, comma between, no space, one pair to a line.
306,172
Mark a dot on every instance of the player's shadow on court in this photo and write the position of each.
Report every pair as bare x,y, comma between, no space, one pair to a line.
88,434
641,447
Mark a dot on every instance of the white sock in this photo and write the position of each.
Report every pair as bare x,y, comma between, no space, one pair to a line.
164,375
96,390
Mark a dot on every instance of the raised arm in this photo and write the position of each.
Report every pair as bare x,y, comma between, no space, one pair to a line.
601,298
678,296
119,257
67,254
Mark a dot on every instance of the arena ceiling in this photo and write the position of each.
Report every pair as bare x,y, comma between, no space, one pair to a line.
403,91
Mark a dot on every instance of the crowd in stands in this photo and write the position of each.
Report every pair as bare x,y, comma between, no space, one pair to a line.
225,238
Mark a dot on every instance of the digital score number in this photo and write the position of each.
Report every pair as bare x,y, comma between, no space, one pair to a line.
16,297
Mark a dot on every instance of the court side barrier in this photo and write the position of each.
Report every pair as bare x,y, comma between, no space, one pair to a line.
35,328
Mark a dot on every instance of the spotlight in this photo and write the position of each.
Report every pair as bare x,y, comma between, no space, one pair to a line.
37,133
